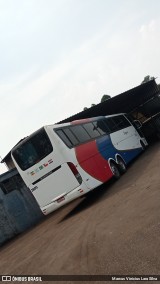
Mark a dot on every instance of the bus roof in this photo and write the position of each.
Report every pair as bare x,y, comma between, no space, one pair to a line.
74,122
84,120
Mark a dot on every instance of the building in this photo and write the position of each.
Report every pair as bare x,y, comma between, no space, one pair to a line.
8,160
141,103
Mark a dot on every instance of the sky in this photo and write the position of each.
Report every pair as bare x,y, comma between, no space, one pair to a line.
59,56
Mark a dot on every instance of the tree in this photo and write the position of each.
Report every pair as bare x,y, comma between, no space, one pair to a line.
147,79
104,98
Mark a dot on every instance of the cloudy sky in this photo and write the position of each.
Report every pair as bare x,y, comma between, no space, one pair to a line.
58,56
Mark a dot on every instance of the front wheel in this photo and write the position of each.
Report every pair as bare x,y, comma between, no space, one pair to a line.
115,170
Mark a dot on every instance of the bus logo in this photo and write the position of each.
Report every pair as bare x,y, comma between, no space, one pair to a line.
41,167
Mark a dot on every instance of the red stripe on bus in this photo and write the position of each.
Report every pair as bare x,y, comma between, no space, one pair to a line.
85,120
91,161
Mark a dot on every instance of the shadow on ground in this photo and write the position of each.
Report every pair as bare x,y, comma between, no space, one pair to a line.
89,199
109,189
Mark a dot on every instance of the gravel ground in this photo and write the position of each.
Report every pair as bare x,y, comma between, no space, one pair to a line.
114,230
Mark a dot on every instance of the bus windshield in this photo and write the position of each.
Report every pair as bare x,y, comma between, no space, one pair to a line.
32,150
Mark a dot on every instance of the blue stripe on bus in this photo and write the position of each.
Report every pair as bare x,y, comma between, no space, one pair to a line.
107,150
129,155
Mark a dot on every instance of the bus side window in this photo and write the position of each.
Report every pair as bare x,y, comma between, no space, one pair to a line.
70,136
80,133
101,127
64,138
121,122
126,122
111,125
92,130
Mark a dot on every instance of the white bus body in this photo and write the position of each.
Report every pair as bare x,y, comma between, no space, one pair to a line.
59,163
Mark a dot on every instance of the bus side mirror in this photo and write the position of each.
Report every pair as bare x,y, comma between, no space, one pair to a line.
137,124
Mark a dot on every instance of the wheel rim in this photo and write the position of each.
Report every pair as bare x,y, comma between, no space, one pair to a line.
143,146
122,165
115,170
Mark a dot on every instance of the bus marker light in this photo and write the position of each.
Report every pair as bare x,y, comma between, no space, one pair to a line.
80,190
60,199
75,172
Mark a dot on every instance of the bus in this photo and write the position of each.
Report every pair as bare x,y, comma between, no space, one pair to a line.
62,162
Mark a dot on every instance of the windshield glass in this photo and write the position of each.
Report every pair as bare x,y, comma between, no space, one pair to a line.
33,150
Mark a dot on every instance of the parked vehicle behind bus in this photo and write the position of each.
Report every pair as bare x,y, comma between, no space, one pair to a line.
59,163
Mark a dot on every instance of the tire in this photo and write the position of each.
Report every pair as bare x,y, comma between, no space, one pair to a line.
121,165
158,135
143,146
115,170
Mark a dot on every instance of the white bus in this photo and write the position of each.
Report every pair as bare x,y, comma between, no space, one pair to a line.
59,163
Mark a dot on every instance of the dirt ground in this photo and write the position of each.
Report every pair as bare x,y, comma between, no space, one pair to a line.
114,230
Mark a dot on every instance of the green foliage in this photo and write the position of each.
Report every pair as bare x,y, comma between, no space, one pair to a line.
107,97
147,79
104,98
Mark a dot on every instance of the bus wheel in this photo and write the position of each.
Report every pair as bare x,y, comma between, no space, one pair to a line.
115,170
122,165
142,145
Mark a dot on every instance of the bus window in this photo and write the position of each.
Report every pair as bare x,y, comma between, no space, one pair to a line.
111,125
91,129
71,136
80,133
101,127
121,122
64,138
33,150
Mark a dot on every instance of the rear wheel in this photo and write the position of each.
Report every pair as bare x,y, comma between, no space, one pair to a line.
143,145
115,170
121,165
158,134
